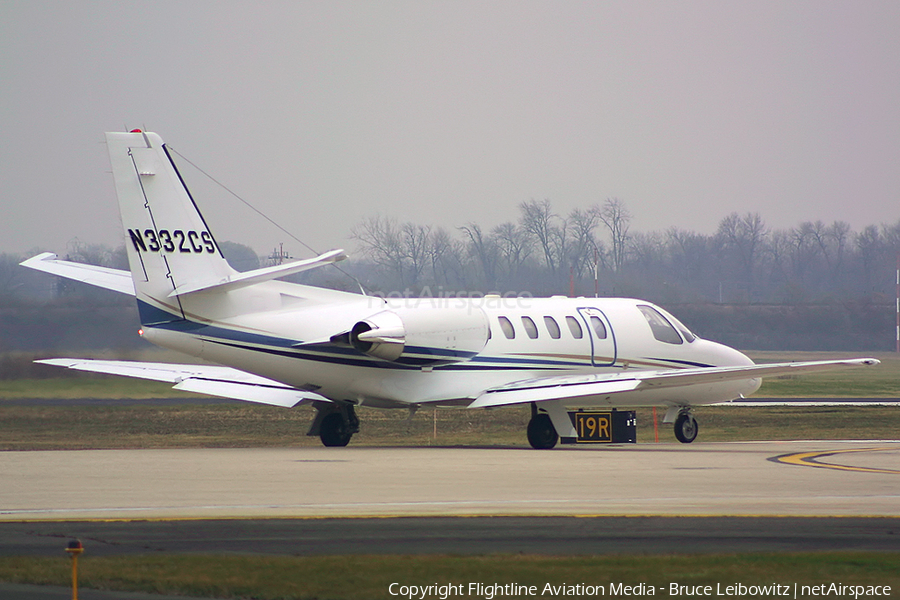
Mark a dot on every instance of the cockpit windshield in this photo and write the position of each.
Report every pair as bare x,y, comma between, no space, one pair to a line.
662,326
685,332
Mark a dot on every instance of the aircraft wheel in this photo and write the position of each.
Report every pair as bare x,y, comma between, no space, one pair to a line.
335,431
541,433
686,428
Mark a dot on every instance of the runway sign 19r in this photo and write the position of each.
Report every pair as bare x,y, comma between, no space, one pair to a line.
610,427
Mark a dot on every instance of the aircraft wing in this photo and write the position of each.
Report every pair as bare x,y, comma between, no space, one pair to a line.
213,380
111,279
573,387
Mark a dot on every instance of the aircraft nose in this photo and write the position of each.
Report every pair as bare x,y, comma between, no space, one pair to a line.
726,356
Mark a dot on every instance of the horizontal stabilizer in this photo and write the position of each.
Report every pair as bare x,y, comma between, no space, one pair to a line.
239,280
224,382
574,387
111,279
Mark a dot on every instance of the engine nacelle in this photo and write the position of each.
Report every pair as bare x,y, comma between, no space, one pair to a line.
423,335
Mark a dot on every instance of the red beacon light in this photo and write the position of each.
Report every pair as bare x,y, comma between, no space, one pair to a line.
135,131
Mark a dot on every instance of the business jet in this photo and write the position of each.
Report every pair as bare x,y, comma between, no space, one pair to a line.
285,344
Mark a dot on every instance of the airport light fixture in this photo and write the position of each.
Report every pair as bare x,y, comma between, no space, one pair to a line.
74,549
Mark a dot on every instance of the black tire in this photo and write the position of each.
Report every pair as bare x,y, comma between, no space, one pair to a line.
541,433
686,428
334,432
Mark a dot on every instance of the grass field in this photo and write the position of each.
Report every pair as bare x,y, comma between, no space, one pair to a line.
882,381
244,425
369,577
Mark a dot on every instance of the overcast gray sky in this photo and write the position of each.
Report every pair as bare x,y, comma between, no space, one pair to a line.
322,113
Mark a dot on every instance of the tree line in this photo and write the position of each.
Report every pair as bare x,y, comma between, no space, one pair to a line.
543,252
811,286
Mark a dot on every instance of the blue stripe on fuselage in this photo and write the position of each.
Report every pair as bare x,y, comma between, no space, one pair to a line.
157,318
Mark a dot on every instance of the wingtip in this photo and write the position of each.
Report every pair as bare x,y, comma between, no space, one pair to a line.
58,362
336,255
39,258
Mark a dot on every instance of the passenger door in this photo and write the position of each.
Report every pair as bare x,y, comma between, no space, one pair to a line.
600,332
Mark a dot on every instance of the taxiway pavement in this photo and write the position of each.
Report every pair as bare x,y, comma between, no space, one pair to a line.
826,478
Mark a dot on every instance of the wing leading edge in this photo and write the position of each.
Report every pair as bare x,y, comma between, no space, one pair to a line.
224,382
574,387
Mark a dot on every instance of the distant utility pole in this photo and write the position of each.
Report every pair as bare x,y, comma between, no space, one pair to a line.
278,255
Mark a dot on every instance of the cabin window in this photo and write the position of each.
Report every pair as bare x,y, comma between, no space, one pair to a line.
552,327
530,327
599,327
574,327
507,327
662,329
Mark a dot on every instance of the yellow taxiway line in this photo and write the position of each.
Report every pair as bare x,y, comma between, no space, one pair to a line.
808,459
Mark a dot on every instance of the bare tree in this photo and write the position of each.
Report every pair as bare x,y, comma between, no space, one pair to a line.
617,219
415,241
485,250
832,243
648,249
514,245
870,246
92,254
744,237
584,243
802,250
537,219
446,259
380,238
11,274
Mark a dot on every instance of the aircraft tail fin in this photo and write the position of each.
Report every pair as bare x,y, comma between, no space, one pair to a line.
169,243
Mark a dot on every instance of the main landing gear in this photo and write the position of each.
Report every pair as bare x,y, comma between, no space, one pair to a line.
335,423
541,432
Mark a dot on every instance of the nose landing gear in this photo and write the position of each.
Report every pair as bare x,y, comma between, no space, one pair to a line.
686,427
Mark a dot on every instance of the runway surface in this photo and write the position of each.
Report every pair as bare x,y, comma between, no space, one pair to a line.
816,478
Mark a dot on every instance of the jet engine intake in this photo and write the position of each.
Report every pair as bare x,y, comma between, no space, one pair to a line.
422,336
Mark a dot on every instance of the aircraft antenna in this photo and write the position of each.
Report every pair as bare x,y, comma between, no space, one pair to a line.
264,216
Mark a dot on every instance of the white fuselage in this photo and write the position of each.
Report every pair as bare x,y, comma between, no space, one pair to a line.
287,340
